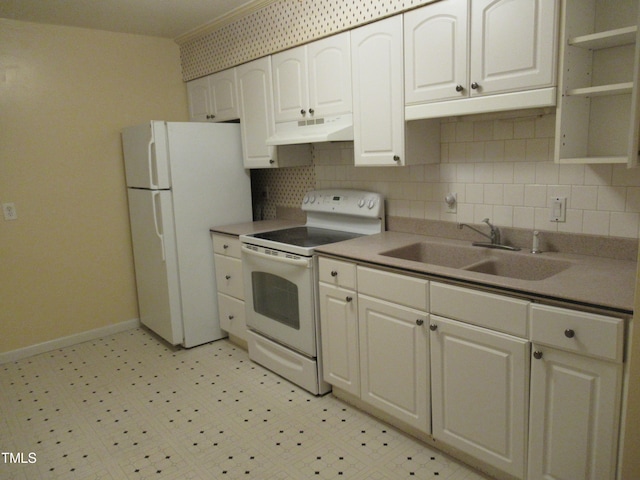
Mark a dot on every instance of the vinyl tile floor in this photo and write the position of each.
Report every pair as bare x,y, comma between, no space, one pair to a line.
128,406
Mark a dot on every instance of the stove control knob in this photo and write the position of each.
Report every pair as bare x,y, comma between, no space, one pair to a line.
312,198
305,199
372,203
361,203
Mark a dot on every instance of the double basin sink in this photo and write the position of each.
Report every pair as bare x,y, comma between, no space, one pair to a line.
502,263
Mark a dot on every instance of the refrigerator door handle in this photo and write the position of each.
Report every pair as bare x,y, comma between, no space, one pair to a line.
157,211
153,163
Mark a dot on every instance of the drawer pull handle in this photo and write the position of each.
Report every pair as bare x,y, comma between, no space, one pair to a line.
537,355
348,299
334,273
228,277
569,333
433,327
419,322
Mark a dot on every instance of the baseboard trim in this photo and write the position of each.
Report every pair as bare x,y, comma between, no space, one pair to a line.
63,342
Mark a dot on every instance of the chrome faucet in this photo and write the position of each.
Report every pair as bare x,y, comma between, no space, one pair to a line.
493,236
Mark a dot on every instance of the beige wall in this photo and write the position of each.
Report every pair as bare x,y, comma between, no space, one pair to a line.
66,263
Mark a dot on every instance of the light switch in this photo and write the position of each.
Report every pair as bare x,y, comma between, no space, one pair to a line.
558,209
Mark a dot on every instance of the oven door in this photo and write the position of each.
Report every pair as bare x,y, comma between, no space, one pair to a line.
279,297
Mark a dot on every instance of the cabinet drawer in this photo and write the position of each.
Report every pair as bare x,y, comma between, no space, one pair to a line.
396,288
232,316
585,333
229,276
336,272
226,245
497,312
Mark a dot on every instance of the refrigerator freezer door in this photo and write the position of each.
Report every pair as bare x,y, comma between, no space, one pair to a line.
156,262
146,156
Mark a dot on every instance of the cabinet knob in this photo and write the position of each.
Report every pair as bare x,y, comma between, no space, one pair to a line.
348,299
225,246
433,327
334,273
569,333
303,112
231,317
475,85
228,277
312,111
272,161
459,88
419,322
537,355
396,158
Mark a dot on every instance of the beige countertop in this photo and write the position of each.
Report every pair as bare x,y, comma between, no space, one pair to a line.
246,228
589,280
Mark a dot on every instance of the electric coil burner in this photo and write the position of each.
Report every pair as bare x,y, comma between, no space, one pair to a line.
280,278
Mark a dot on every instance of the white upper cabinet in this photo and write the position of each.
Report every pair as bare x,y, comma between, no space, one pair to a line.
435,40
256,113
378,100
214,98
313,81
198,96
513,45
472,50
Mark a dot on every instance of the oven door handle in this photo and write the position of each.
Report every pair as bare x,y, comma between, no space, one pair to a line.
298,262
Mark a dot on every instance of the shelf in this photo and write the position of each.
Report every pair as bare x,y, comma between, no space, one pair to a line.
601,90
608,39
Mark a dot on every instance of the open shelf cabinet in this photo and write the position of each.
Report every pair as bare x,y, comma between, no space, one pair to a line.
598,109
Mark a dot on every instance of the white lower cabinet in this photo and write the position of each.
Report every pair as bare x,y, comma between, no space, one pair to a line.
394,360
480,392
575,410
576,386
529,390
339,327
230,285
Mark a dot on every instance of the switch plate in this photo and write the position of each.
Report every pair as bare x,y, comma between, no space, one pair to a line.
9,211
558,209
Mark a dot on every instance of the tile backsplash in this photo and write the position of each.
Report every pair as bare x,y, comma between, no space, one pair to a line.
502,169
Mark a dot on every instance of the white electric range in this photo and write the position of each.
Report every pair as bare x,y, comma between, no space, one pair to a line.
280,278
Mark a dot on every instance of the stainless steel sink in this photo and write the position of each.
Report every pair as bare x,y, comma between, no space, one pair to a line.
441,254
521,266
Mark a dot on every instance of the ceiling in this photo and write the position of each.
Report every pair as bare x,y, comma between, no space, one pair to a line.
159,18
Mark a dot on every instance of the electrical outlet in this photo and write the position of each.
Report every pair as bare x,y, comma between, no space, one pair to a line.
558,209
9,210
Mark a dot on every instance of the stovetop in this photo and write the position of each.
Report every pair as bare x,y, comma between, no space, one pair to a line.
306,236
333,215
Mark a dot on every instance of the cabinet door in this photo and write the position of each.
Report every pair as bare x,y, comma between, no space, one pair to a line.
290,88
394,360
513,45
255,97
199,100
224,98
575,415
378,93
479,382
435,39
339,332
329,66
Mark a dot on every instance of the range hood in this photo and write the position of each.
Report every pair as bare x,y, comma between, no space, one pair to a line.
329,129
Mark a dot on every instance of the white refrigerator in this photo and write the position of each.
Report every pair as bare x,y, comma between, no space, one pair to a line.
182,179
